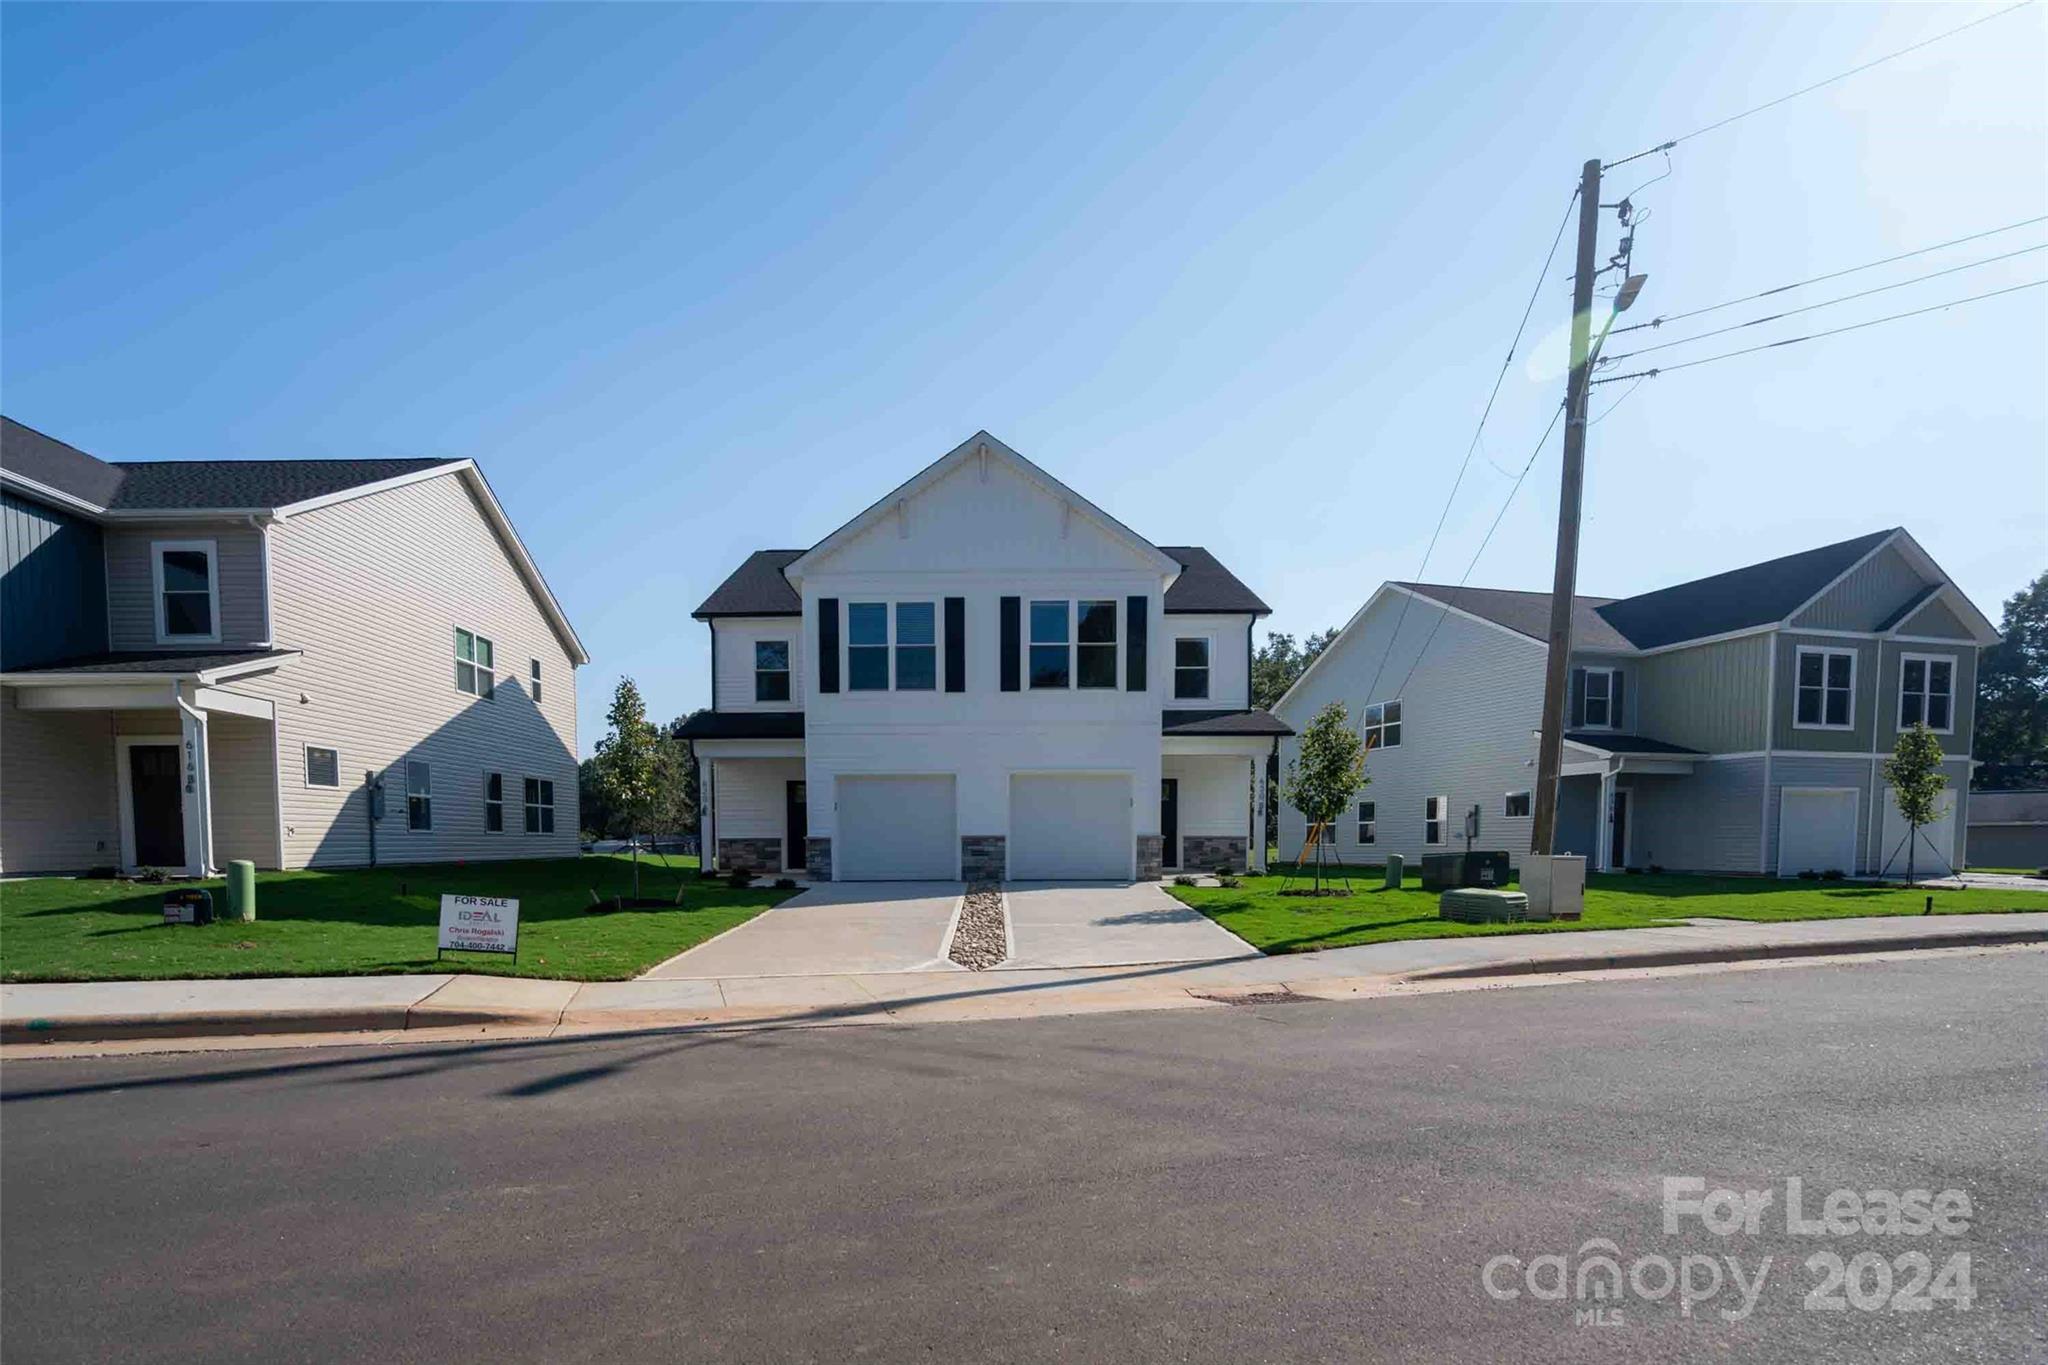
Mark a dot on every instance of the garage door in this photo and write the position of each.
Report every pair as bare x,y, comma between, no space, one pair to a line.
1934,855
1070,828
895,829
1816,830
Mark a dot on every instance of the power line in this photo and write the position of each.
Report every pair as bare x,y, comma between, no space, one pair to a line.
1663,318
1808,308
1815,336
1809,89
1487,411
1506,502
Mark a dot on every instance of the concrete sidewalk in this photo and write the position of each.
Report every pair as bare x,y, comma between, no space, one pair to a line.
375,1008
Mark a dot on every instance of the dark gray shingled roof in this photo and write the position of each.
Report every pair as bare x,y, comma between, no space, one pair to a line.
32,455
158,661
1205,585
1755,595
185,485
1528,613
757,587
742,725
1222,723
1614,743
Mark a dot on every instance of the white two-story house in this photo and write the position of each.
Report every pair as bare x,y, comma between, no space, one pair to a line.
1735,723
982,676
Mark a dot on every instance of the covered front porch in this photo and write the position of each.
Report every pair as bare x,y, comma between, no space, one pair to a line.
139,761
1611,788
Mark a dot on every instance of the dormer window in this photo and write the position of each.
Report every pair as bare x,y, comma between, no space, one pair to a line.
187,591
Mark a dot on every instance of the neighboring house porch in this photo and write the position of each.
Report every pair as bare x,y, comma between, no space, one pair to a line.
137,761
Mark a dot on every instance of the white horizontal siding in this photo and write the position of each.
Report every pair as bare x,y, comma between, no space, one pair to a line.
734,683
1469,711
244,796
1214,793
753,795
1229,637
371,591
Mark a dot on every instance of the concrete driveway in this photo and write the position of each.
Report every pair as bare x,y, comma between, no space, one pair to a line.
833,928
843,928
1109,924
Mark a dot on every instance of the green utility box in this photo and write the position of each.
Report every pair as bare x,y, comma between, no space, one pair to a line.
1397,868
242,891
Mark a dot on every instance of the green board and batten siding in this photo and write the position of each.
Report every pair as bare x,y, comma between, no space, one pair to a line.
1867,596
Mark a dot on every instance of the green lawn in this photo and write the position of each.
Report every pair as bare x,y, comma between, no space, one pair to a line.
1285,924
368,921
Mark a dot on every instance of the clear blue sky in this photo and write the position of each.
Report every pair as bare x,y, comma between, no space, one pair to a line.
691,280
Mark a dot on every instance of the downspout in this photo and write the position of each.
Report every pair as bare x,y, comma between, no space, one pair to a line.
261,525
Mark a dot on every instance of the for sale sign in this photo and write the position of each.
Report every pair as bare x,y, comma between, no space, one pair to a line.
479,924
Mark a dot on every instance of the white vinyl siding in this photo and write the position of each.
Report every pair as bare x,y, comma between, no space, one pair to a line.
48,824
370,590
243,784
735,676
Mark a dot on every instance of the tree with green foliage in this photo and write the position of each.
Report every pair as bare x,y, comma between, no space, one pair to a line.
628,766
1914,771
1327,772
2011,736
1276,666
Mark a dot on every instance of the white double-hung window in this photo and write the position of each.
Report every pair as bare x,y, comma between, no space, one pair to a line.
1927,692
892,645
187,591
1073,644
1824,683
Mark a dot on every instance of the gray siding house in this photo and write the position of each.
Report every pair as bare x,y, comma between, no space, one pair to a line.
1736,723
214,660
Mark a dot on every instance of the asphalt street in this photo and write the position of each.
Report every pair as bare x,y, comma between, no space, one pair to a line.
1283,1181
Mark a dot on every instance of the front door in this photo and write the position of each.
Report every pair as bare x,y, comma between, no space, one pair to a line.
154,777
795,821
1617,853
1169,821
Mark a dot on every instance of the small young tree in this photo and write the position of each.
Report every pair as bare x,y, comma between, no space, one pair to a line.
628,766
1914,770
1326,773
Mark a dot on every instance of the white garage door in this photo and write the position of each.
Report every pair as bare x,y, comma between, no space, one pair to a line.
895,829
1816,830
1070,828
1933,855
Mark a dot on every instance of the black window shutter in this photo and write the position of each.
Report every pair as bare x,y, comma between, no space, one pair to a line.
1013,659
1577,710
1615,715
1136,618
956,644
828,644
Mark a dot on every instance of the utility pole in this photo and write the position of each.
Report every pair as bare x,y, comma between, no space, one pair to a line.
1565,583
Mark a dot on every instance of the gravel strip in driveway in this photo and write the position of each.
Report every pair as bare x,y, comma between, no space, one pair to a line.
981,940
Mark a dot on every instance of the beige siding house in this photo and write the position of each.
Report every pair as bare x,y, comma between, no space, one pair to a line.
303,663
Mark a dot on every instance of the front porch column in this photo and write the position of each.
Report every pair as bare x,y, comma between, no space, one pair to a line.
1603,856
1258,842
196,795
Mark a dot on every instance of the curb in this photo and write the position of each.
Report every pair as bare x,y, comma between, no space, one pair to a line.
422,1015
1682,957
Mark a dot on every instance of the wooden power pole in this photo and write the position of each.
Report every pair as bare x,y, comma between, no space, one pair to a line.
1565,583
